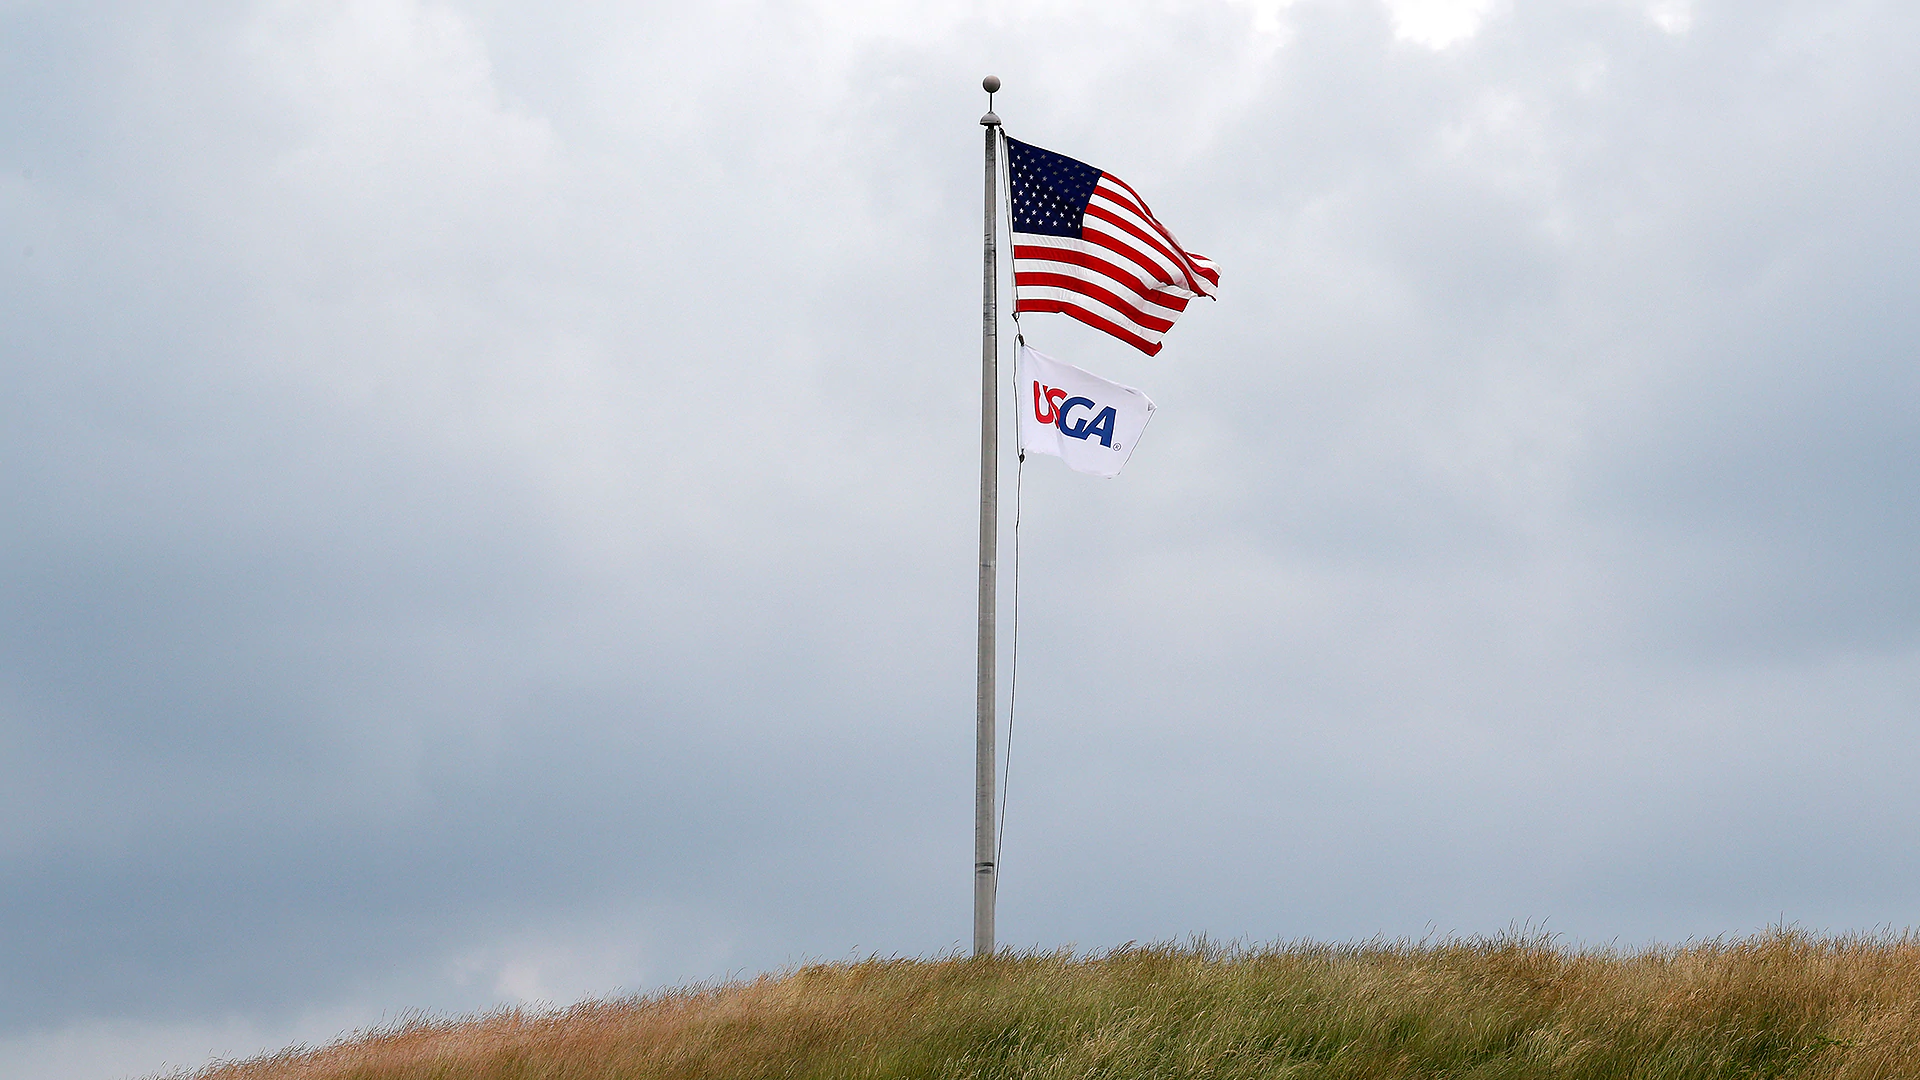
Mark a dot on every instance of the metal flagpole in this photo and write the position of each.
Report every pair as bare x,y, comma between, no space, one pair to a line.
987,658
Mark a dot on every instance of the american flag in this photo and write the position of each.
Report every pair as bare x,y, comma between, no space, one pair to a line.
1086,245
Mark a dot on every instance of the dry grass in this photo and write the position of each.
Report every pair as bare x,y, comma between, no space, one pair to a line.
1781,1005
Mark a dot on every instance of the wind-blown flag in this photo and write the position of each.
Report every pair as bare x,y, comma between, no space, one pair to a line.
1086,245
1077,416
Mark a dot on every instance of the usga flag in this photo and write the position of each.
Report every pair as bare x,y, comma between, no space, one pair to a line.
1086,245
1081,418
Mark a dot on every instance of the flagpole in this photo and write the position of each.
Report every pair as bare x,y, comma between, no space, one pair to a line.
986,658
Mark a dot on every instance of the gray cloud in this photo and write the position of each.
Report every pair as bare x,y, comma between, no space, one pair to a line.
490,494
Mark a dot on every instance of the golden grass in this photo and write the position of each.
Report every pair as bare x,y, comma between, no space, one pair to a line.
1784,1004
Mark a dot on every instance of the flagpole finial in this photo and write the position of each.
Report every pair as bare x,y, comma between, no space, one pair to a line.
991,84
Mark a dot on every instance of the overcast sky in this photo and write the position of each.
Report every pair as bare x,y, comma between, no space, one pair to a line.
487,493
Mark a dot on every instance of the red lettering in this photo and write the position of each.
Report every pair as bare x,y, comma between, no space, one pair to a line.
1045,400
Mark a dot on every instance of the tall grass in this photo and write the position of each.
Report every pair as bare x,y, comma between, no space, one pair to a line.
1783,1004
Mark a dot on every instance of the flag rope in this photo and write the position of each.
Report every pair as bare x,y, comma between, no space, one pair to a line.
1013,671
1019,483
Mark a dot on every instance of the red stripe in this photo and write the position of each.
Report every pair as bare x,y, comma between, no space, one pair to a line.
1087,288
1147,266
1139,206
1119,246
1136,204
1098,265
1095,321
1204,267
1135,231
1124,186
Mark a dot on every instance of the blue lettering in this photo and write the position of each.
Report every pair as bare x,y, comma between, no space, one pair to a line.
1079,429
1102,426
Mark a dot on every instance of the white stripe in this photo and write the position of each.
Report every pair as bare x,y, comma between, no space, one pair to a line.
1068,243
1175,271
1120,205
1126,296
1119,318
1169,271
1117,201
1138,312
1114,283
1163,273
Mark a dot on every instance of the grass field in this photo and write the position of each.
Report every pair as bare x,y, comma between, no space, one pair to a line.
1783,1004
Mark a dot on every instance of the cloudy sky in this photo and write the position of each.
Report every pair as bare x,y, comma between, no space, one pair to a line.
488,493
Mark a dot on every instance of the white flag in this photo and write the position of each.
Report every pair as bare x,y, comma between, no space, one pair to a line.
1079,417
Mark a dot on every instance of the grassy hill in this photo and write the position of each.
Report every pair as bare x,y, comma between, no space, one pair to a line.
1780,1005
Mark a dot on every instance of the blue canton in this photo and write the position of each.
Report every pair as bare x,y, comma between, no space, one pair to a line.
1050,191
